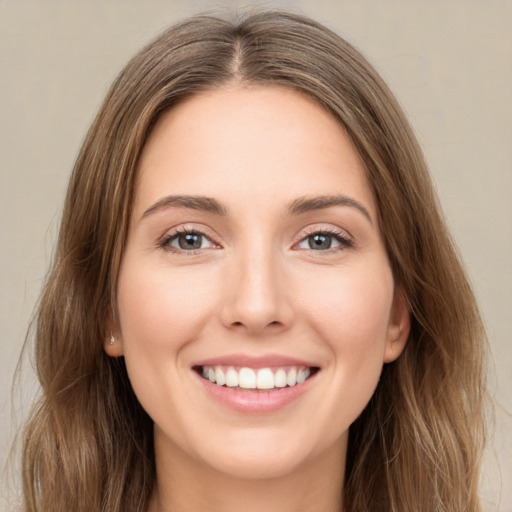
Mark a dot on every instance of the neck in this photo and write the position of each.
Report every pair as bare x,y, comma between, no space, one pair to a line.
186,485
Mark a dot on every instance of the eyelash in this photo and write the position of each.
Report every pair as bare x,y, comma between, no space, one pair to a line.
340,237
167,239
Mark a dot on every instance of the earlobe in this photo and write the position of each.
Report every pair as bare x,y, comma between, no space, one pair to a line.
113,345
399,327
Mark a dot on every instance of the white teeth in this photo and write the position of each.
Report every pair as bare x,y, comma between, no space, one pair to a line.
231,378
220,379
302,376
280,378
247,378
291,378
263,378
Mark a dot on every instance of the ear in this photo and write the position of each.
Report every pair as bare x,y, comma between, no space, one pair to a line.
399,326
113,343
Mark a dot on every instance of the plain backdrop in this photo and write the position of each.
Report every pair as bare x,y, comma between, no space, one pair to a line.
449,63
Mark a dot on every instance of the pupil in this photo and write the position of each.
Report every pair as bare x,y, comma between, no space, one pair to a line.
190,241
320,242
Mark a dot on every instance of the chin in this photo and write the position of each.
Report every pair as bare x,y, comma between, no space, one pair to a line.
256,465
262,454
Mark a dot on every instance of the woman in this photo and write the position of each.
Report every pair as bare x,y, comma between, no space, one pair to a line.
255,301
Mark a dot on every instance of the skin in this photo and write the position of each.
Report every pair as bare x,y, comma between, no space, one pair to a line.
255,287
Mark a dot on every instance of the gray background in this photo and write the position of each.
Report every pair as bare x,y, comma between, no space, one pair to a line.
449,62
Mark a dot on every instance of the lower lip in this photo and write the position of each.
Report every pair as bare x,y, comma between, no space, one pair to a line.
249,401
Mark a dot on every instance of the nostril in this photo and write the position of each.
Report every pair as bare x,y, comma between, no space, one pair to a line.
255,325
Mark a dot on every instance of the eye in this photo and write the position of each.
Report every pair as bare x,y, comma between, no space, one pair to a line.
324,241
187,241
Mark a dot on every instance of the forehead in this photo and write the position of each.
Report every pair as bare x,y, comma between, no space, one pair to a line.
247,144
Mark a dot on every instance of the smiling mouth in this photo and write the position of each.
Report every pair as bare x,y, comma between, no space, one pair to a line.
261,379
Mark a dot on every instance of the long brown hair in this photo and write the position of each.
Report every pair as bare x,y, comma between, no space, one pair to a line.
88,445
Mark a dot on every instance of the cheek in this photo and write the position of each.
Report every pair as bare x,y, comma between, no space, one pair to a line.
351,312
159,307
160,312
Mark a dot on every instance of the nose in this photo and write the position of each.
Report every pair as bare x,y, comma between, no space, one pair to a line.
257,298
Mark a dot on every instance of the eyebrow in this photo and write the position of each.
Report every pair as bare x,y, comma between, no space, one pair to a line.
205,204
296,207
308,204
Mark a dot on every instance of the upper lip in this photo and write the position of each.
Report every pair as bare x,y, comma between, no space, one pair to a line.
251,361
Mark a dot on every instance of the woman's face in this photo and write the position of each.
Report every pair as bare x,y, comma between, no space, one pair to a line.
254,261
